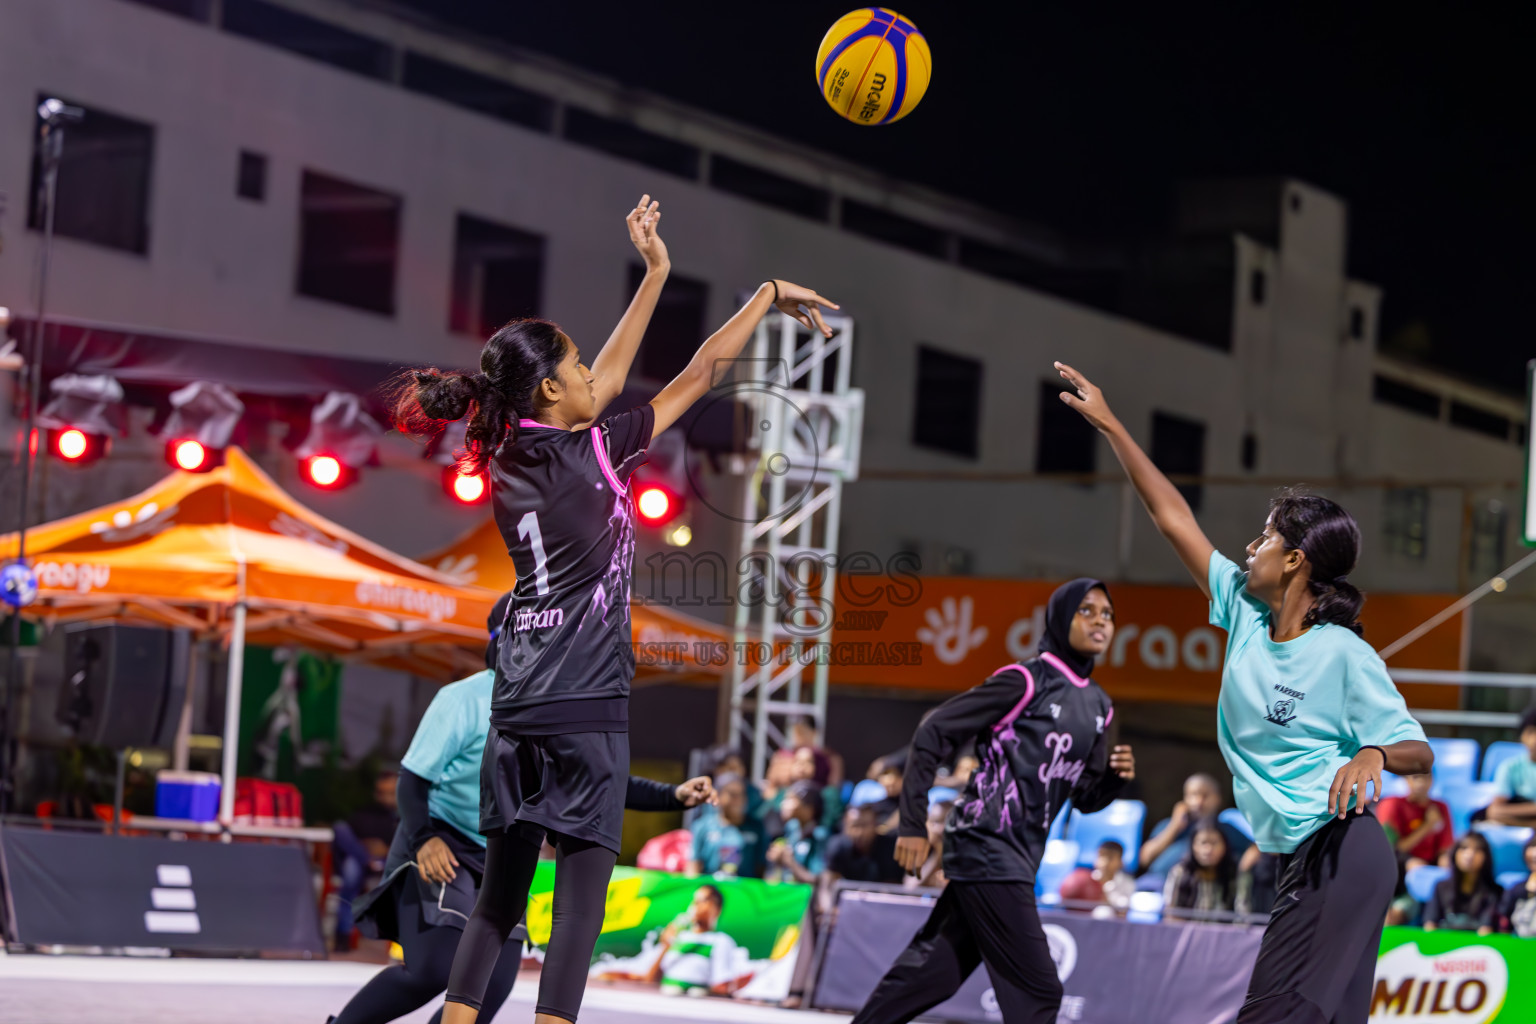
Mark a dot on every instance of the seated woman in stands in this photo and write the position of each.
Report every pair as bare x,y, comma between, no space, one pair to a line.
1468,901
1206,879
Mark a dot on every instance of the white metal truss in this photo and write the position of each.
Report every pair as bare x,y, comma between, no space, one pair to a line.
802,444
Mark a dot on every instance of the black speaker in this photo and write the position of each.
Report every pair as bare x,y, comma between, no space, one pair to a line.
123,685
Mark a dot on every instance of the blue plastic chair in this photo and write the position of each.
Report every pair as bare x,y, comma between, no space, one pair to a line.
1058,829
1121,821
1421,881
1056,863
1497,753
1455,761
1145,908
1234,817
1508,843
1464,801
1510,879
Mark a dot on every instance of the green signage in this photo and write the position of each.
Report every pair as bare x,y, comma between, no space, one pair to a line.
1446,977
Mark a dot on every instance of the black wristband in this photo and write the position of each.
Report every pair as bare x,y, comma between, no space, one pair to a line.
775,290
1383,753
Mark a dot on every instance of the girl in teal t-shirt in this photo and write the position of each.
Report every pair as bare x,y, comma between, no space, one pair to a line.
1307,720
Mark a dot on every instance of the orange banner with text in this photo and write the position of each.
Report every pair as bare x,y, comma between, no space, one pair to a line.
949,633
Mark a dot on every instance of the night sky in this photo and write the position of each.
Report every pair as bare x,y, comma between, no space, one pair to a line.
1083,118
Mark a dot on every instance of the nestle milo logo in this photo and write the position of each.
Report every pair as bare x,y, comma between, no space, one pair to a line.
1459,986
872,98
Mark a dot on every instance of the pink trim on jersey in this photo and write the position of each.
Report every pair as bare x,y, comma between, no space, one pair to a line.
1109,717
602,461
1061,667
1018,709
536,423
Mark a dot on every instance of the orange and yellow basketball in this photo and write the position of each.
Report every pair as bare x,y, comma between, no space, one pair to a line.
873,66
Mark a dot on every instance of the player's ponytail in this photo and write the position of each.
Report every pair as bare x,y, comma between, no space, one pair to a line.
1330,538
514,362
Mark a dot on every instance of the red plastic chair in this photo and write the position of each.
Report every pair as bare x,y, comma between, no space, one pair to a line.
667,852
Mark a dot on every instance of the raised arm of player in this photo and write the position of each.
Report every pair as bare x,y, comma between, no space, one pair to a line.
611,367
1172,515
694,382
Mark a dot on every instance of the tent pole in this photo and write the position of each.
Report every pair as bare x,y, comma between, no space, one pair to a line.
182,752
232,707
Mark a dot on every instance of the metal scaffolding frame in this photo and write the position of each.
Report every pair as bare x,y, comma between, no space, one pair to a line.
802,443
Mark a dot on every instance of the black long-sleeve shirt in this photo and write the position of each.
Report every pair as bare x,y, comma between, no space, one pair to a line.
1041,736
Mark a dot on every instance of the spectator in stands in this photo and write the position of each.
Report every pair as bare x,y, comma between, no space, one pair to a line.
814,765
959,776
941,800
871,793
1170,840
1206,879
1107,882
803,734
861,853
1468,900
780,776
729,842
361,843
1258,882
801,854
1514,800
1517,910
1420,828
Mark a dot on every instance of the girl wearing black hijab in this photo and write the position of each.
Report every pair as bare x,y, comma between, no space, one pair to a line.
1041,734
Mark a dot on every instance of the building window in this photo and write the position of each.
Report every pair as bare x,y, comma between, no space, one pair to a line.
1066,443
1485,555
1405,396
1470,417
349,238
251,181
498,275
677,327
1178,449
1356,323
885,226
308,37
622,139
741,179
481,93
102,195
1258,284
1406,521
948,405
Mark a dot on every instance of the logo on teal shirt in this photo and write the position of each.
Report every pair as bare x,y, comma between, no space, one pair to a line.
1283,713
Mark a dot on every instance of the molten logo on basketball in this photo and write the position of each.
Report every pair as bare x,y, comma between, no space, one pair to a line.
872,98
1460,986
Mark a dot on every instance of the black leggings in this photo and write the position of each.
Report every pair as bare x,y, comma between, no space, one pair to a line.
973,923
582,870
396,991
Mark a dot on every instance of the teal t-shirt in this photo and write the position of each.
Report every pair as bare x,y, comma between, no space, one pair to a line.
1515,779
446,751
1291,715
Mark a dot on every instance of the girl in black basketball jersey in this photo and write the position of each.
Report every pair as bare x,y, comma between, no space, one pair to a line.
557,755
1041,730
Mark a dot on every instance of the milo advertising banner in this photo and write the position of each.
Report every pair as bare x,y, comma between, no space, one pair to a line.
1454,978
734,937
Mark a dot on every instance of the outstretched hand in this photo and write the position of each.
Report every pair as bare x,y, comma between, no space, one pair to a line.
642,221
1087,400
697,791
804,305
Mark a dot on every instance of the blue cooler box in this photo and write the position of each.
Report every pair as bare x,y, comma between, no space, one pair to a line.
190,796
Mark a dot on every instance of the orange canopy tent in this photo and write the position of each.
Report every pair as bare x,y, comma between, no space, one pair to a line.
480,558
231,556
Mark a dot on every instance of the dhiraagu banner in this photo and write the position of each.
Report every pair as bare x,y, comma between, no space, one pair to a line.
724,936
1454,978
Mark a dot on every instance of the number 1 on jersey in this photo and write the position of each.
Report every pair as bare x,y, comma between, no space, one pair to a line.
528,529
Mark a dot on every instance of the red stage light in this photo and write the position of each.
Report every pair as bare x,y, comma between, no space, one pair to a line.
76,447
469,489
656,505
189,455
324,471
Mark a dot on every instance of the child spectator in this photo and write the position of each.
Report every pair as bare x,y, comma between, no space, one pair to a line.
941,800
1420,828
731,841
1107,882
801,855
1517,910
887,809
1469,899
1514,800
1206,879
861,853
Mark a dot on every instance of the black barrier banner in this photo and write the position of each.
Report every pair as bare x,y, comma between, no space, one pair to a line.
88,889
1113,972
